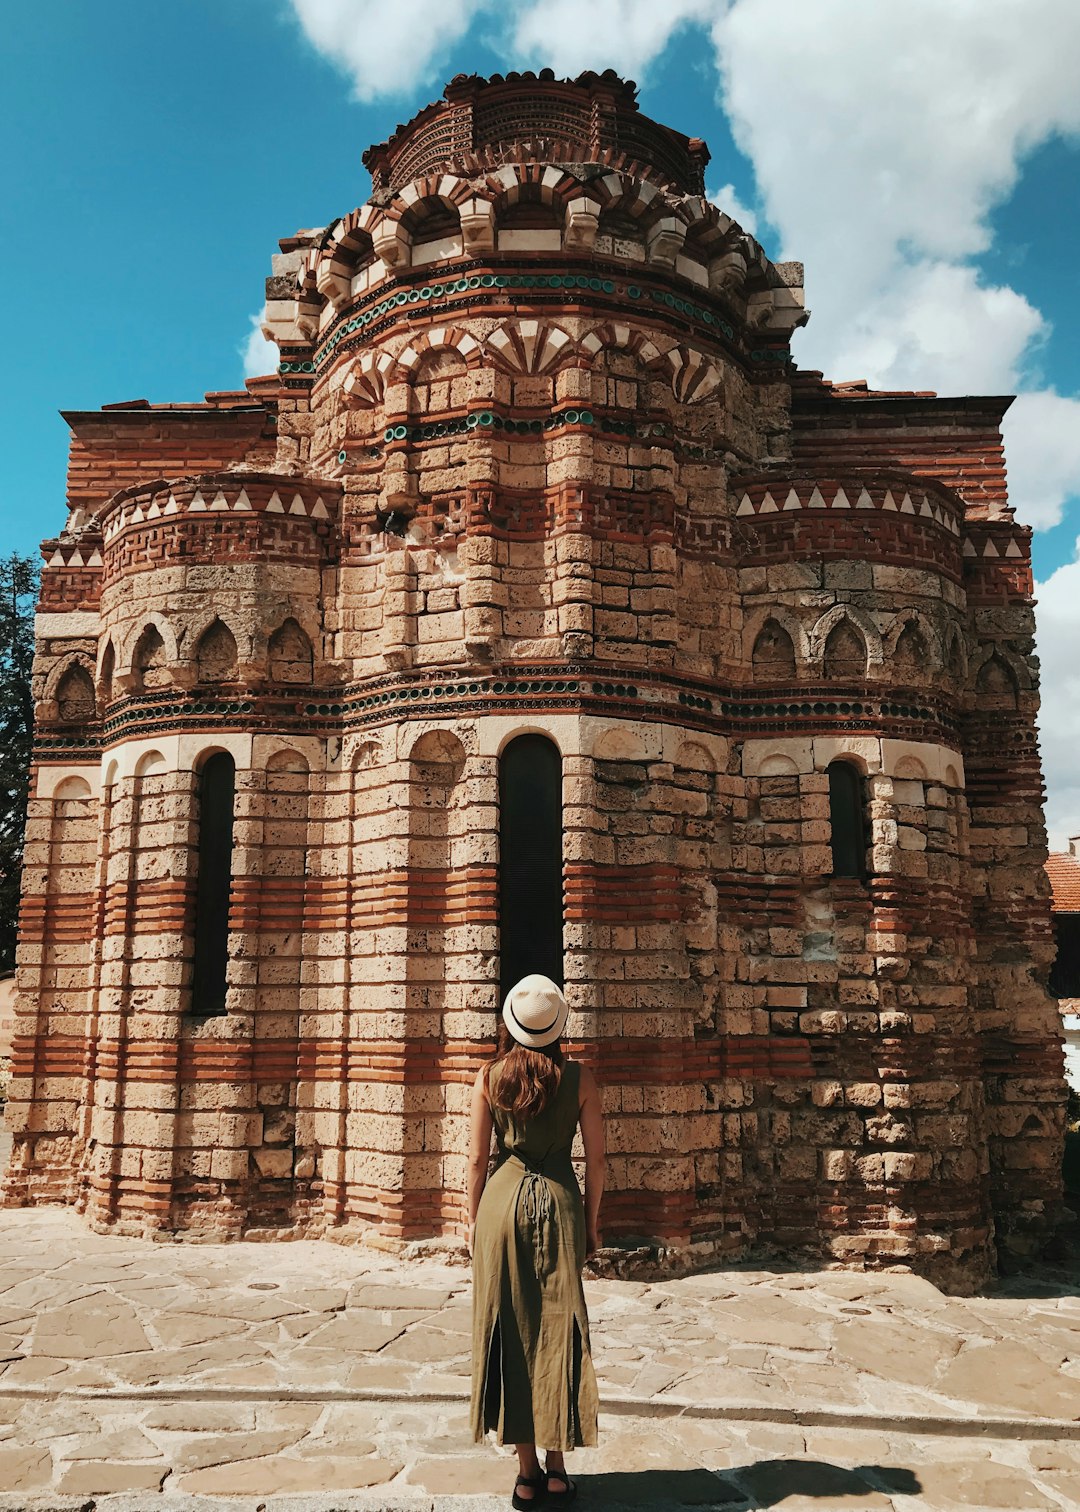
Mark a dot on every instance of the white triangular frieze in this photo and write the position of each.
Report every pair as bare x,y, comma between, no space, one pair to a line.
906,506
319,510
297,506
792,501
816,501
969,550
198,503
220,501
1013,550
274,504
242,500
990,550
768,505
841,500
864,501
889,502
745,506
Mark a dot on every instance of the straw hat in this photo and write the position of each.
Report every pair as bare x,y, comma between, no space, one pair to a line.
535,1012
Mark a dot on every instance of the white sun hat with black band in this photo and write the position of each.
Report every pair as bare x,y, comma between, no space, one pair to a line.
535,1012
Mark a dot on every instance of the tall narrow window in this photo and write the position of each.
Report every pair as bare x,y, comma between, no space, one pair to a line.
213,884
847,817
530,861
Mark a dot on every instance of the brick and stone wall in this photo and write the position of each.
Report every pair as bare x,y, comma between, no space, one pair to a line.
537,461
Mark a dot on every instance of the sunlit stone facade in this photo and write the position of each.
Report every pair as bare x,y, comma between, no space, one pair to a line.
539,585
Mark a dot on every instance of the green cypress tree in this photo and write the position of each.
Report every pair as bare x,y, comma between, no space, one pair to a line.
18,594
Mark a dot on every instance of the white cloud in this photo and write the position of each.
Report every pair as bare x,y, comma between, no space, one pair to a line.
892,132
1042,448
260,356
390,49
386,49
569,35
1058,644
729,202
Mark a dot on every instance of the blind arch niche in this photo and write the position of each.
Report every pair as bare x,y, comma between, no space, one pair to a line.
530,861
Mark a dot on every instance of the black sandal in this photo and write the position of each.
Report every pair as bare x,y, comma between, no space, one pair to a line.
537,1483
560,1497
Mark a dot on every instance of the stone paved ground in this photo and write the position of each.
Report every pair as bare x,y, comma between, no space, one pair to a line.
136,1375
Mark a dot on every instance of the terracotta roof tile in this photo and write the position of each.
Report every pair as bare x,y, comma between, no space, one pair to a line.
1063,870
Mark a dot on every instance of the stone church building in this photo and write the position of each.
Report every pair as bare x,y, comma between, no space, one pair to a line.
539,613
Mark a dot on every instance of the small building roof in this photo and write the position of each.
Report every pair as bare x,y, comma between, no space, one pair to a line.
1063,869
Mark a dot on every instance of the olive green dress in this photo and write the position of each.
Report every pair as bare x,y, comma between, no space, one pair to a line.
533,1380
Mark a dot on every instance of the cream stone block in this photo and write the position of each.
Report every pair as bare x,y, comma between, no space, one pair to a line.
536,240
940,763
436,251
52,778
865,749
770,758
123,760
67,625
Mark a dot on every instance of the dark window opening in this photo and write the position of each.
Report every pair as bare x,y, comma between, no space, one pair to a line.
1065,972
530,861
847,817
217,781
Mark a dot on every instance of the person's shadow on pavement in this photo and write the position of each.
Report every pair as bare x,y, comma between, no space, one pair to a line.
746,1488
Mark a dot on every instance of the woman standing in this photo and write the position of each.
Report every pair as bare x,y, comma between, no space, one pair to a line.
529,1235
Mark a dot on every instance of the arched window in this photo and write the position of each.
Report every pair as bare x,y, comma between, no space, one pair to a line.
847,816
217,781
530,861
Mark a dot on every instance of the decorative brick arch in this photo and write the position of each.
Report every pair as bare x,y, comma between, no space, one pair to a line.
158,622
617,336
437,339
1012,664
530,346
365,381
931,639
788,620
192,636
57,673
954,647
694,376
862,622
347,247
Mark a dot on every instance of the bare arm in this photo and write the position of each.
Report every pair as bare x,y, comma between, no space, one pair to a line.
591,1117
480,1127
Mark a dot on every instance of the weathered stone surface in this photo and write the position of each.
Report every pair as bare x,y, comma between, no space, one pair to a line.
96,1327
97,1477
778,633
275,1474
24,1467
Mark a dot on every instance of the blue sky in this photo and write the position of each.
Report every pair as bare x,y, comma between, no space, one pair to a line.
922,160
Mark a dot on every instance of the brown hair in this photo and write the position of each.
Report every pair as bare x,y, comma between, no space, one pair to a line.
528,1079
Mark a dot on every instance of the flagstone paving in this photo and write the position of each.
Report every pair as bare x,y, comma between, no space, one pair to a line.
310,1375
